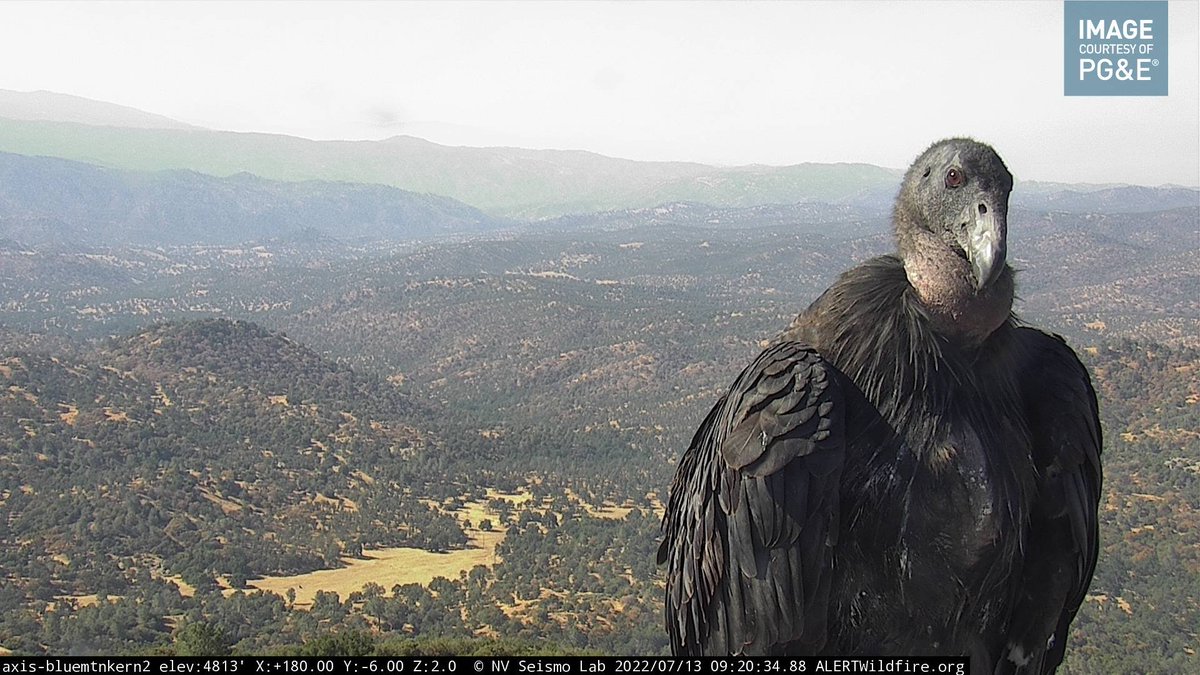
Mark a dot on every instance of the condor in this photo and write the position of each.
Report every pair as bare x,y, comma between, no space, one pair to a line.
907,469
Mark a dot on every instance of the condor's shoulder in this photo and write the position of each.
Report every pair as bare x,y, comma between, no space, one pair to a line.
858,300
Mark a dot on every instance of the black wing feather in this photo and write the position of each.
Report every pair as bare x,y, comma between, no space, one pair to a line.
752,514
1063,535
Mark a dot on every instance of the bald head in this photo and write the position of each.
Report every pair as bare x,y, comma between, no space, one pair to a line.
951,219
957,192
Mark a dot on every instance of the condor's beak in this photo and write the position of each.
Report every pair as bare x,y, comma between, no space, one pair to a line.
985,245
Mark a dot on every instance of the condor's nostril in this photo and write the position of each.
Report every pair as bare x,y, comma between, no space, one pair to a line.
982,210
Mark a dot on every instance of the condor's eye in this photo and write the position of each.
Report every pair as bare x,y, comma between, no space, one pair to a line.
954,178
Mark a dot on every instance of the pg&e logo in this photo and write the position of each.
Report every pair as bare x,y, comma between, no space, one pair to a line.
1116,48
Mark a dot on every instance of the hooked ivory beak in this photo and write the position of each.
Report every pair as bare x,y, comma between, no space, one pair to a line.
985,246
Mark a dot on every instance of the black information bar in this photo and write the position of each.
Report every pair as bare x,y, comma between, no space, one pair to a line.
469,665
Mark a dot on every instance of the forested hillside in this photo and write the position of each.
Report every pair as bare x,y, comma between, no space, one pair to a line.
1143,608
120,540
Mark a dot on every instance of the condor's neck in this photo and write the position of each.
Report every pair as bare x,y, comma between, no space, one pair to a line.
942,280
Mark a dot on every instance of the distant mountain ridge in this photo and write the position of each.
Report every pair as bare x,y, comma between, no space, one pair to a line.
48,204
510,182
61,203
502,181
52,106
1103,198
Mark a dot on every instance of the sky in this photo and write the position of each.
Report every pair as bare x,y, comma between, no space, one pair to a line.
716,82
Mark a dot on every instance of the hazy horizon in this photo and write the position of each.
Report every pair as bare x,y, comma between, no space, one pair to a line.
725,84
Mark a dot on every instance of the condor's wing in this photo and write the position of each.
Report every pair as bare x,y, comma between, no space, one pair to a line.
1063,538
750,525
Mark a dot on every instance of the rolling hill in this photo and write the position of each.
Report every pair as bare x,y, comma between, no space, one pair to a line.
204,450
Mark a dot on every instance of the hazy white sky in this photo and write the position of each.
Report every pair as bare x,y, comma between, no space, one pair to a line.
727,83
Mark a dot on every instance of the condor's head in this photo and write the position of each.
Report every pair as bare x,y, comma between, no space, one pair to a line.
951,220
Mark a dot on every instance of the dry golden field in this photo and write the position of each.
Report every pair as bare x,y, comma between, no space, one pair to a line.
391,566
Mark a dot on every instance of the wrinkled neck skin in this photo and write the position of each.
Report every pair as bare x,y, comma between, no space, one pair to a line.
942,280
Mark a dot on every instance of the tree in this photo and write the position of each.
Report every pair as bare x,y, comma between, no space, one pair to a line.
343,643
328,606
200,639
